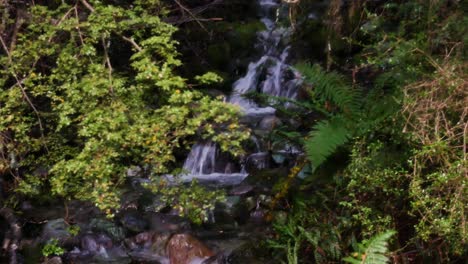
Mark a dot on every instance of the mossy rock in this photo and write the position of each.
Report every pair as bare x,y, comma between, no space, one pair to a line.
244,35
267,177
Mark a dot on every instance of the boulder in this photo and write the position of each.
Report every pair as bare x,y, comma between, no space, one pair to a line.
148,247
134,221
167,223
57,229
186,249
268,123
53,260
97,225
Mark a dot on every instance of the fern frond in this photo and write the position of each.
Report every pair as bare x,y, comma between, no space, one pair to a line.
373,251
325,138
332,87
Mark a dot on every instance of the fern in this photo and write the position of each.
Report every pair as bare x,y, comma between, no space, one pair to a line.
331,87
325,138
373,251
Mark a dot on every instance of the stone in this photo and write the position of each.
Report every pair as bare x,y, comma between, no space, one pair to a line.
268,123
134,171
167,223
148,247
93,243
53,260
117,233
186,249
57,229
243,189
258,161
133,221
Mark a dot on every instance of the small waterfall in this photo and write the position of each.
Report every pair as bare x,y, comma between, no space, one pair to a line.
201,159
268,75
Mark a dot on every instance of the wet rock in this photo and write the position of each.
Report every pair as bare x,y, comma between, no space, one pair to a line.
93,243
243,189
186,249
114,255
149,247
88,243
159,243
258,161
232,201
57,229
135,171
97,225
53,260
98,248
167,223
268,123
133,221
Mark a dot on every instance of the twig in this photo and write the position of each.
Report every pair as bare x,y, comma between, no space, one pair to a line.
109,66
191,14
6,49
23,91
78,25
87,5
131,41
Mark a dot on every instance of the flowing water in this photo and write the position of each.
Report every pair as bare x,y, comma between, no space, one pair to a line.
270,75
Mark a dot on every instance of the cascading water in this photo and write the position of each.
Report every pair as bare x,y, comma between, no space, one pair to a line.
268,75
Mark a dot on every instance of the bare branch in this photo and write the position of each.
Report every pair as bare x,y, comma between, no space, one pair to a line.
134,44
191,14
87,5
107,60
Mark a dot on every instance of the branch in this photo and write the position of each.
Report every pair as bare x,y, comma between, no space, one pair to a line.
87,5
191,14
131,41
109,65
23,91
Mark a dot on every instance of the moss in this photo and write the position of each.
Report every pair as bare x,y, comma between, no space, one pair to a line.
244,35
219,55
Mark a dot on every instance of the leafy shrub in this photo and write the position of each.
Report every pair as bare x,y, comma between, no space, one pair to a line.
52,248
89,90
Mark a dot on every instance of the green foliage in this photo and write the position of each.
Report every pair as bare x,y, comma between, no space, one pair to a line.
325,138
306,228
437,120
373,250
330,88
74,230
209,78
376,184
346,114
405,132
52,248
88,91
194,202
337,101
